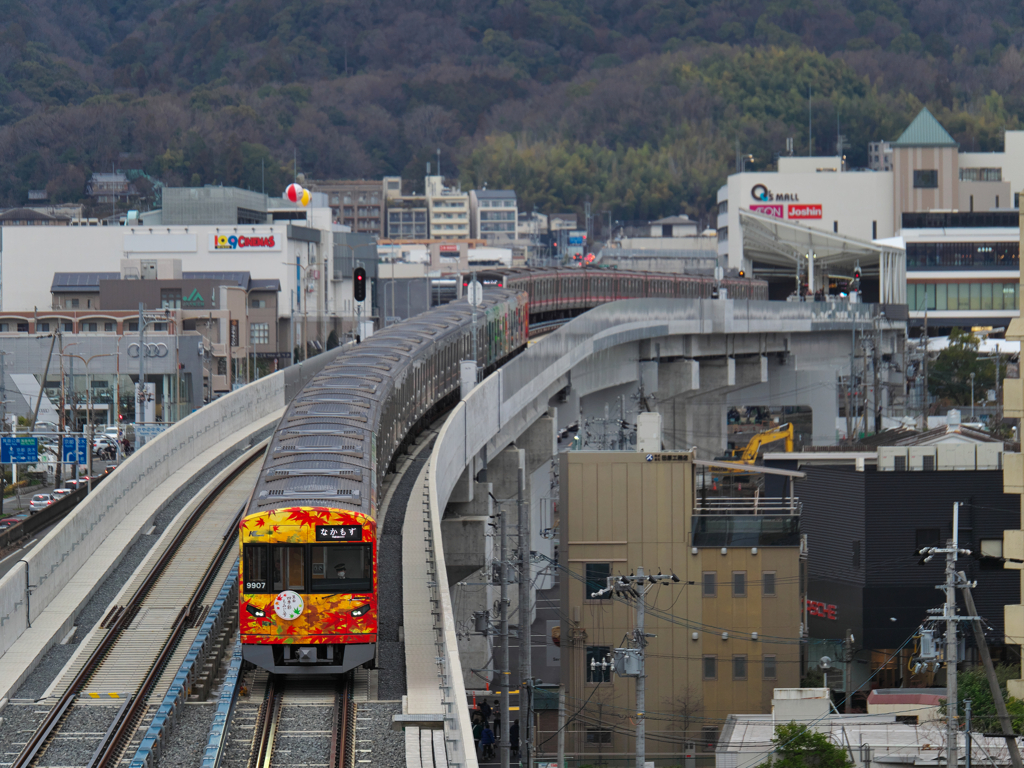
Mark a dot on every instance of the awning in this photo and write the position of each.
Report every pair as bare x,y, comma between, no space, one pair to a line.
784,243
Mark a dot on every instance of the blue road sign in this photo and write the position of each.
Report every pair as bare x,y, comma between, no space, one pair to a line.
75,450
19,450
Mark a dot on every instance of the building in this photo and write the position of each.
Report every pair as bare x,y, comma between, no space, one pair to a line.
962,268
721,638
28,217
879,156
192,206
905,739
448,211
867,514
406,214
109,187
294,246
359,205
494,216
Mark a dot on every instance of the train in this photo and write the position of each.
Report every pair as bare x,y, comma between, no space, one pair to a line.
557,293
308,580
309,568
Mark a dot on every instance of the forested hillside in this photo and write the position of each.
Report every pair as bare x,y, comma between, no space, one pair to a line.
638,107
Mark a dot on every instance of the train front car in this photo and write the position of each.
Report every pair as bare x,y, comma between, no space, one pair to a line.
308,586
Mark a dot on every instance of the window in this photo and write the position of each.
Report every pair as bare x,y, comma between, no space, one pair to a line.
289,565
981,174
42,327
170,298
22,327
927,537
596,575
768,583
739,667
768,664
598,654
159,326
74,303
258,303
710,667
599,736
256,568
739,583
68,326
259,333
341,568
856,554
109,327
90,327
708,738
709,581
133,325
5,328
926,179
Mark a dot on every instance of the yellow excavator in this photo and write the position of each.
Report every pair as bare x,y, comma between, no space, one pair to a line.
748,455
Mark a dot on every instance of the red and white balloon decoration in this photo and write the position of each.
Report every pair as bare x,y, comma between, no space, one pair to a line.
296,194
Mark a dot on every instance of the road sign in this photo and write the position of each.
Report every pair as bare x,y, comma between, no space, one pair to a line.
149,430
475,294
19,450
75,450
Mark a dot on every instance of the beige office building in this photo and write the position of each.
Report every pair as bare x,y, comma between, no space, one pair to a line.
719,640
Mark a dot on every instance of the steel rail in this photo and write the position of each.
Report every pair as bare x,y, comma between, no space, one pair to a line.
123,618
263,736
342,744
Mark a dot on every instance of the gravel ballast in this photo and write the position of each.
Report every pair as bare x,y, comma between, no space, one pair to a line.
374,733
54,660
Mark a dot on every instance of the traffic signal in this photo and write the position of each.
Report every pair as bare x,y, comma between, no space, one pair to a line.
856,272
742,273
359,284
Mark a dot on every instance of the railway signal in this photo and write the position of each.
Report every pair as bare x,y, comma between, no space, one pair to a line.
359,284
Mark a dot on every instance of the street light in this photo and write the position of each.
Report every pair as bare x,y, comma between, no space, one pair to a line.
145,319
88,407
972,395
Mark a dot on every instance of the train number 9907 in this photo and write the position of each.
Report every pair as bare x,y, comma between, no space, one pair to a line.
255,586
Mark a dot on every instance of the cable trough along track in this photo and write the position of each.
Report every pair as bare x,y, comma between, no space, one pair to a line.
305,722
131,658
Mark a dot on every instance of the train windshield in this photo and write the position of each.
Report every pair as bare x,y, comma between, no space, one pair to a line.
289,568
342,568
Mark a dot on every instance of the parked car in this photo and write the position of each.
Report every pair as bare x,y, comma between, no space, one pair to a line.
40,501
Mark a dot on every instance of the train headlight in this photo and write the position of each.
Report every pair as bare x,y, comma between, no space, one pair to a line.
259,614
362,610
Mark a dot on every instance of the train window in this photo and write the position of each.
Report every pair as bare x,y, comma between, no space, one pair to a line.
289,568
342,568
256,568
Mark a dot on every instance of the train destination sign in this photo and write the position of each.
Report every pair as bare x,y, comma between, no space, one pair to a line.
339,533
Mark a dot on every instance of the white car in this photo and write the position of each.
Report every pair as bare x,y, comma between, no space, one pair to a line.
40,501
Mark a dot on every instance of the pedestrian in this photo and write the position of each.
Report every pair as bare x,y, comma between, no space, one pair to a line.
487,742
478,729
497,717
485,711
513,738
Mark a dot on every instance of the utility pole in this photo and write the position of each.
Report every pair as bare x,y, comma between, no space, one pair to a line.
924,390
967,733
875,360
525,616
629,662
951,660
990,672
503,630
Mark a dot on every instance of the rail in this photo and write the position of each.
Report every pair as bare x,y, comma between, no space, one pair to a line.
757,505
127,715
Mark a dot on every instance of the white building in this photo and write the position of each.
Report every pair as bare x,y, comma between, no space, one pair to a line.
493,215
447,210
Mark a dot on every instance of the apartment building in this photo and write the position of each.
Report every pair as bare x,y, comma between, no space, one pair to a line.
719,640
359,205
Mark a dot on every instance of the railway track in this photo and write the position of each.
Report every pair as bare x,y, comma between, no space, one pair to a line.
304,722
105,697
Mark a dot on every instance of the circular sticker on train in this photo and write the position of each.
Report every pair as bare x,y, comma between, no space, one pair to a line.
288,605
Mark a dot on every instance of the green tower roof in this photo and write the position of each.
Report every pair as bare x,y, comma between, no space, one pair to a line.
925,131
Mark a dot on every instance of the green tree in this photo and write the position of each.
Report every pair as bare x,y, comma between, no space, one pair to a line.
973,684
949,377
798,746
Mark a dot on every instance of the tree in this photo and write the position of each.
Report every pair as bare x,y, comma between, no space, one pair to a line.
973,684
949,377
798,746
